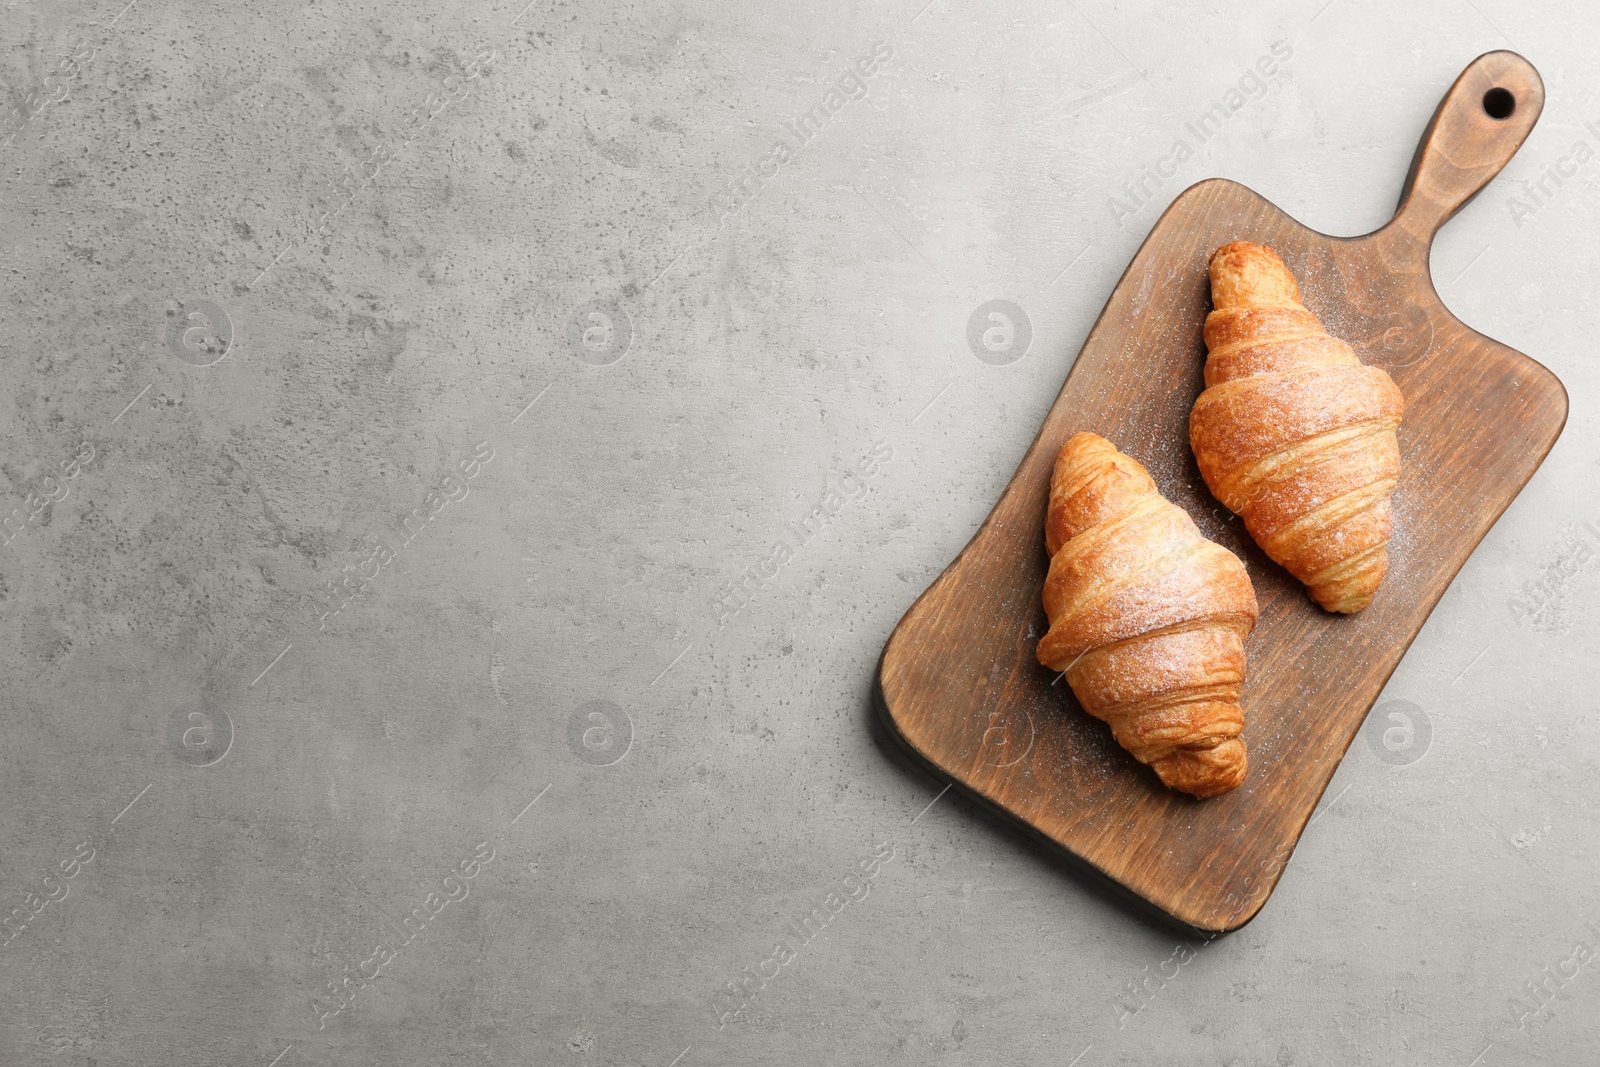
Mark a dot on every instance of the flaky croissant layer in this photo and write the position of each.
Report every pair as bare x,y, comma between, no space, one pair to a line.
1293,433
1147,618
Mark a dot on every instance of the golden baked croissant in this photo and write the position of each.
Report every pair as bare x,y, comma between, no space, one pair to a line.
1295,434
1147,618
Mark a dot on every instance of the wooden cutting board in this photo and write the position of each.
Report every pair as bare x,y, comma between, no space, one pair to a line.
959,684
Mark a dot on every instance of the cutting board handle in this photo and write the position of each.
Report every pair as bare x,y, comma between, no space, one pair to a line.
1480,124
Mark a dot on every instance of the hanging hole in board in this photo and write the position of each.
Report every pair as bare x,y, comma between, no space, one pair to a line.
1499,103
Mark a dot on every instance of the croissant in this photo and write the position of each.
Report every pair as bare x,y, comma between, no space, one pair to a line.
1147,618
1293,433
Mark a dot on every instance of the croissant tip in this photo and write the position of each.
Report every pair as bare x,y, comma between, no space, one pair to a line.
1348,605
1356,591
1205,772
1081,440
1244,274
1081,449
1241,246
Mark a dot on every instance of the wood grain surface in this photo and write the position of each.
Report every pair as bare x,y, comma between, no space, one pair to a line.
959,684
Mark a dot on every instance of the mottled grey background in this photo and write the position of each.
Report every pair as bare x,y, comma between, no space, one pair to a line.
262,800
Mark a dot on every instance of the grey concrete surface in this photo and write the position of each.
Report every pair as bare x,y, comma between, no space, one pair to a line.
284,787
